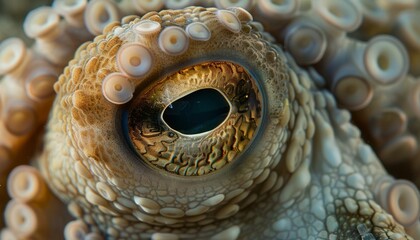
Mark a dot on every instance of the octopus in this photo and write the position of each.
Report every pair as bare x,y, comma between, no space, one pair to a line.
216,119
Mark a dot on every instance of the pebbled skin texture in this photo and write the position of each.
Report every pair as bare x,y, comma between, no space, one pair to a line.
304,173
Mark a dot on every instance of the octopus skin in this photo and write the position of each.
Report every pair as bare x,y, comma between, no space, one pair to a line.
89,148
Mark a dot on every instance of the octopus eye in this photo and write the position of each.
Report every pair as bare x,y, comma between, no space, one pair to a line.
197,120
198,112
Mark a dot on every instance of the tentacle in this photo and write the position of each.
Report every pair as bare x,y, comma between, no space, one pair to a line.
26,89
33,210
77,229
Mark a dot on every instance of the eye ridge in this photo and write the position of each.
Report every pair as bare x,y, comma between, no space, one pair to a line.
161,135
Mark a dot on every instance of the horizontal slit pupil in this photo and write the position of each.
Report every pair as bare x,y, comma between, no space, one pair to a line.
197,112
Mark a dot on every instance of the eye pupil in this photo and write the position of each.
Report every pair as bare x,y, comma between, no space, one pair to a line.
197,112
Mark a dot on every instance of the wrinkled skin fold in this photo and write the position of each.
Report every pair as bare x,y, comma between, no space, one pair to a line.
288,159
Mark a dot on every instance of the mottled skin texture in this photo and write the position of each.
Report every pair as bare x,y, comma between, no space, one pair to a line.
306,174
300,123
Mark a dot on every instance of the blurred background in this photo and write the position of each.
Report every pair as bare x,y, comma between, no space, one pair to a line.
12,14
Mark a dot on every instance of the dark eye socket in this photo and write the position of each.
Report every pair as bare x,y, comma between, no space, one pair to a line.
197,112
